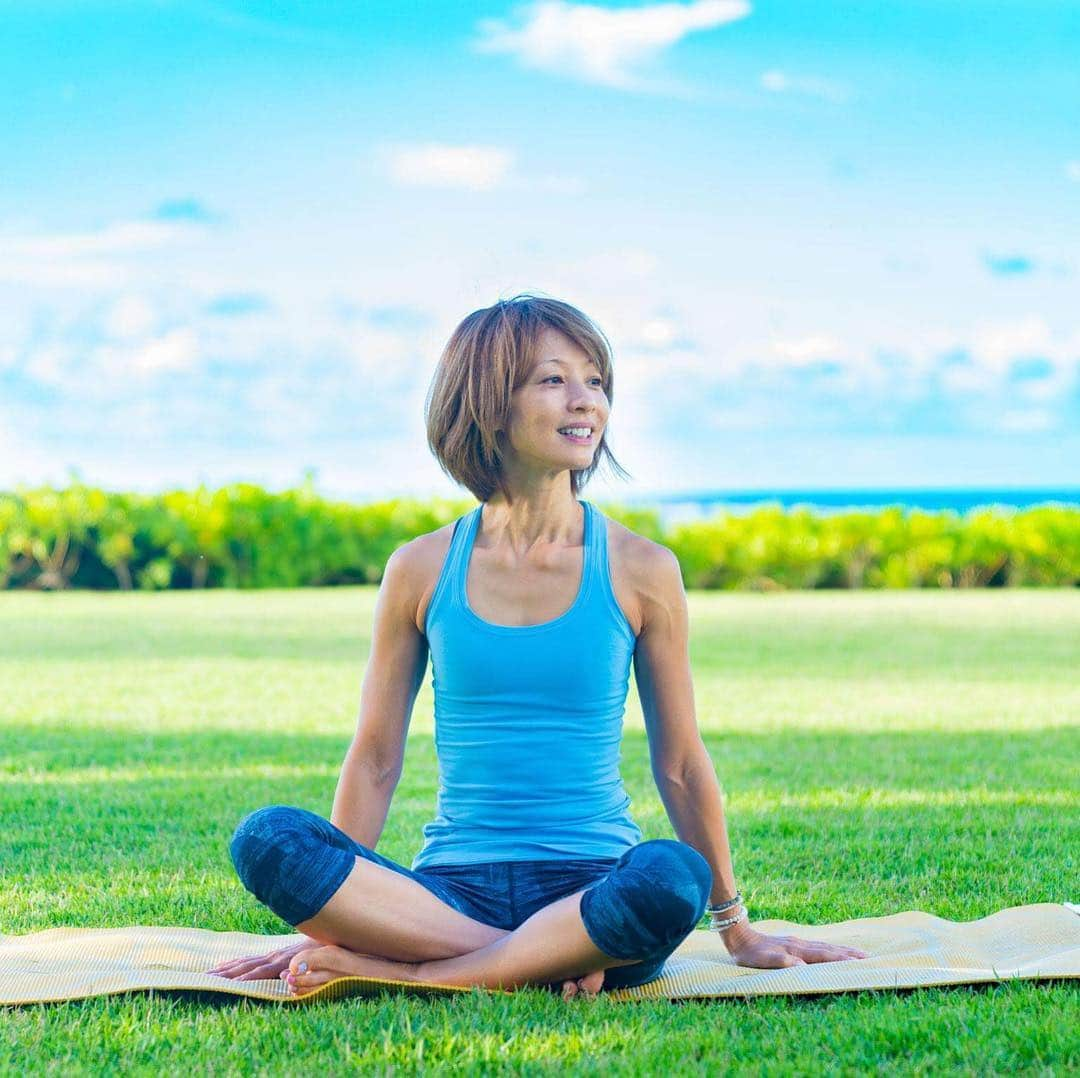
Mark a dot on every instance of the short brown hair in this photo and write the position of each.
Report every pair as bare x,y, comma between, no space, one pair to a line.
488,356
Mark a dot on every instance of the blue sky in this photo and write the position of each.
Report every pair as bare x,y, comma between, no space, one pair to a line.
832,245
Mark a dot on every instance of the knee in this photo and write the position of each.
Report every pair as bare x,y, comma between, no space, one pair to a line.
650,902
261,839
681,880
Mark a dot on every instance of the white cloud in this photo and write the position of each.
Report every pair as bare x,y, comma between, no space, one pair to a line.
177,350
963,378
986,351
86,259
436,164
1027,420
780,82
555,185
659,332
468,167
617,264
130,316
14,328
381,356
302,379
21,461
48,364
995,345
734,384
599,44
122,237
804,351
741,417
299,372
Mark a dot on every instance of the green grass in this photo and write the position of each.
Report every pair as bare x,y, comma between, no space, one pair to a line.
879,751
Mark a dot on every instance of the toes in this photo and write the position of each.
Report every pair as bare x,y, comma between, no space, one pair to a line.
308,982
299,965
587,986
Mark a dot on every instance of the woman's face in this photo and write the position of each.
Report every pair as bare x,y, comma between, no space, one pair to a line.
563,389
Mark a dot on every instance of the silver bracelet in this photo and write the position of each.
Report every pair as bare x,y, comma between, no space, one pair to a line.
719,907
719,925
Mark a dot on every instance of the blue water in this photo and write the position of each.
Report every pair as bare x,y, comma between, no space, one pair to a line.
694,505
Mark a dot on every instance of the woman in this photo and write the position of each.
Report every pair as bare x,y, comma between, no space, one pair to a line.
533,606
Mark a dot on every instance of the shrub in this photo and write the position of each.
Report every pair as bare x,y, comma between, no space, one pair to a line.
242,536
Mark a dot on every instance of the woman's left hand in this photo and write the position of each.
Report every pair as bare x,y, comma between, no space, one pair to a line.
752,948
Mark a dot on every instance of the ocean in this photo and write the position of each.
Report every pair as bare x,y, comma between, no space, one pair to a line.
687,506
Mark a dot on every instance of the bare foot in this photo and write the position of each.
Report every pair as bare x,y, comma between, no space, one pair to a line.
311,968
587,986
316,966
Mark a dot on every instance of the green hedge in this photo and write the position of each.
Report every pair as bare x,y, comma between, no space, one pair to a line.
242,536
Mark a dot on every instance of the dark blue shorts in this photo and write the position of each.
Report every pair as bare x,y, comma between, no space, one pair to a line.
641,905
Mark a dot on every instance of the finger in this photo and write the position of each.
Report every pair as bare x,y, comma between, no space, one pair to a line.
230,964
832,956
255,962
849,955
780,958
261,973
819,951
234,968
854,952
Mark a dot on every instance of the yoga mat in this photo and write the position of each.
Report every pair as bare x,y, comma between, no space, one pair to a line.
906,950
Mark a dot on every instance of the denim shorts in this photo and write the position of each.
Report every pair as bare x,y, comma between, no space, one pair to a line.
641,905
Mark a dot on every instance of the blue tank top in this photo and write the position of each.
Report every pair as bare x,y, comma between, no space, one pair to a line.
528,720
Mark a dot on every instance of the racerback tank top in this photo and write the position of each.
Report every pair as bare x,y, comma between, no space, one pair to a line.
528,720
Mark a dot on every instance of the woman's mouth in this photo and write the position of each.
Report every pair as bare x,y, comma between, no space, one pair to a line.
577,435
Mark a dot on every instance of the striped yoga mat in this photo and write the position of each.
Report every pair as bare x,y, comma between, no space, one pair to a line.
1036,942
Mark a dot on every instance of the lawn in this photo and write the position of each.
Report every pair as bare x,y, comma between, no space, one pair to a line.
879,752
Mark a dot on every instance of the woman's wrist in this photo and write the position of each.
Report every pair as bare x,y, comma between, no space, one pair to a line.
734,936
726,914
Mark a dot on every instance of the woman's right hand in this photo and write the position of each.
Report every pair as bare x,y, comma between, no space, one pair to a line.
262,967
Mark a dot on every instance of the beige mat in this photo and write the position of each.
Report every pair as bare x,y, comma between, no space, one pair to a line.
906,950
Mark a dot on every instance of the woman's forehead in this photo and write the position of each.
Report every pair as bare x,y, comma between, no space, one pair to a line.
579,359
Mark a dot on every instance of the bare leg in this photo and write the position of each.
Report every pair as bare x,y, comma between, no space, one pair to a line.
551,945
377,911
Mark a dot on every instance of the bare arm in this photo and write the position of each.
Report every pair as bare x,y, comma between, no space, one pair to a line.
393,676
372,767
683,769
681,766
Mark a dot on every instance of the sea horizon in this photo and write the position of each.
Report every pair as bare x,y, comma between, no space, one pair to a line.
680,506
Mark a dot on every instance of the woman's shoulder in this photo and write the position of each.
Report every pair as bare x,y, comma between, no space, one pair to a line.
421,561
638,554
637,565
643,574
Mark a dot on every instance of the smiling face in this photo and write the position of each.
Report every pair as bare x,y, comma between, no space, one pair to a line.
563,390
